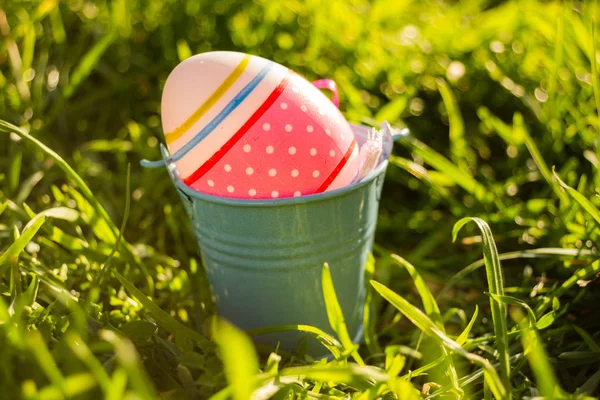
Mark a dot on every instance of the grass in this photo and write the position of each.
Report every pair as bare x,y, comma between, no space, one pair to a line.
102,291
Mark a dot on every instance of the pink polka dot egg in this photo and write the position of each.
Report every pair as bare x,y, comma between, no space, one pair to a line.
242,126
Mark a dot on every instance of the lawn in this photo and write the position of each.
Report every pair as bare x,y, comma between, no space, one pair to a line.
485,268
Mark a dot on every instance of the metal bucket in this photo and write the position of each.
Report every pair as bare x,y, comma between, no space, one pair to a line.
264,257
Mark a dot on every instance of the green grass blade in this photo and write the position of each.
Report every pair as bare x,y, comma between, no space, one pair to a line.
496,287
595,81
335,314
118,385
521,130
404,389
128,357
44,358
424,175
161,316
324,338
64,213
87,63
579,198
57,26
458,144
369,311
429,304
85,355
533,253
14,169
587,338
106,266
239,358
359,377
547,383
392,111
581,274
421,321
29,295
464,335
423,369
556,66
591,385
75,386
450,170
433,311
83,188
505,131
11,255
516,302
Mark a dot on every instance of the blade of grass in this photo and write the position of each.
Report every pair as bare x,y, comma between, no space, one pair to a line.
392,111
533,253
496,287
44,358
462,338
581,274
88,62
471,378
324,338
446,167
429,304
83,188
547,383
516,302
239,358
369,314
595,83
75,386
335,314
57,26
579,198
98,279
85,355
129,359
356,376
421,370
556,66
505,131
161,316
421,321
14,170
11,255
521,129
587,338
118,385
433,311
458,145
591,385
423,175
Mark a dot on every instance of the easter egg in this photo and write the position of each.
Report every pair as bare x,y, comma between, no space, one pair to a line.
242,126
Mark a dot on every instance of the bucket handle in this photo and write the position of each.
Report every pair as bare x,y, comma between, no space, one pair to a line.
329,84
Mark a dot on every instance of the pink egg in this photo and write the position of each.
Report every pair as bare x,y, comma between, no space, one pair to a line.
242,126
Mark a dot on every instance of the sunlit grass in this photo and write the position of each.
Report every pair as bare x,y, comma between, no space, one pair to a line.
103,294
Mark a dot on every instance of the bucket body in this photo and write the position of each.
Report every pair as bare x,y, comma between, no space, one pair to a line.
264,258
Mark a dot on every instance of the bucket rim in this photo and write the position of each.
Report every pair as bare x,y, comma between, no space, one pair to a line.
310,198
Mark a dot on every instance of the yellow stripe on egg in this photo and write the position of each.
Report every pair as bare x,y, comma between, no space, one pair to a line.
172,136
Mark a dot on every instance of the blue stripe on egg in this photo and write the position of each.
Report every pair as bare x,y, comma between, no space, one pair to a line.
233,104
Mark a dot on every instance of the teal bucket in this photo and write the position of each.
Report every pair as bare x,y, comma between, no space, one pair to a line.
264,258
